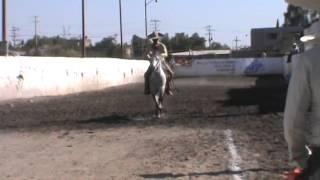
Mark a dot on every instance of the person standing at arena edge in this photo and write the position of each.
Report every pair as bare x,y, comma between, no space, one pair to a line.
302,116
158,48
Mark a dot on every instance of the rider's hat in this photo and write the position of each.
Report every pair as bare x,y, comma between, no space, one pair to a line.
155,35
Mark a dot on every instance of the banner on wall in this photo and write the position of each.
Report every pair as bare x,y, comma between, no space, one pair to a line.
215,66
232,66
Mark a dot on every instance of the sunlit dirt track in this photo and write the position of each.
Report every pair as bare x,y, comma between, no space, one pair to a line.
213,128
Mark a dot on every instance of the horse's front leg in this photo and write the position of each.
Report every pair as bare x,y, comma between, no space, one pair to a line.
158,106
160,103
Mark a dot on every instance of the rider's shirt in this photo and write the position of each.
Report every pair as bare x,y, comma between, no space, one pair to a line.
302,112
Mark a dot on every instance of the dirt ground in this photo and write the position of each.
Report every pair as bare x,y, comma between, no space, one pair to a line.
213,128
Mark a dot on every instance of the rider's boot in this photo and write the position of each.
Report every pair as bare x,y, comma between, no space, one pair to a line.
146,86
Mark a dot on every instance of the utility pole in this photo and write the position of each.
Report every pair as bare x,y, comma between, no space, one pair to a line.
236,41
146,3
14,35
4,26
145,18
121,37
210,34
155,25
64,32
36,21
84,37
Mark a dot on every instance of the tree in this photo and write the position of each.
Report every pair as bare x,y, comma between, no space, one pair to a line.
138,46
107,47
180,42
197,42
53,46
296,16
219,46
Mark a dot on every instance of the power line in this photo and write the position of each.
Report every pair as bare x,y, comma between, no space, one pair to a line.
154,24
14,35
210,33
66,32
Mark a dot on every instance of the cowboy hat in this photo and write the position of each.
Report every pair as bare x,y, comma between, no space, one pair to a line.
155,35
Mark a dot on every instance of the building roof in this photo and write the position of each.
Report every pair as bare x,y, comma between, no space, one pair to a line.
310,4
280,29
202,53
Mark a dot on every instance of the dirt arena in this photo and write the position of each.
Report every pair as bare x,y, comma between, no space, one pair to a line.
213,128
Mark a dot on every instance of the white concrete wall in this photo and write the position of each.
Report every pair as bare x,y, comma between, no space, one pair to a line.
232,66
23,77
46,76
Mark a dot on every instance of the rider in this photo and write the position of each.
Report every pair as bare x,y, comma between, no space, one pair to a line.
158,47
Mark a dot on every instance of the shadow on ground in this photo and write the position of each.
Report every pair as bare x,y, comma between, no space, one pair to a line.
268,94
194,106
217,173
112,119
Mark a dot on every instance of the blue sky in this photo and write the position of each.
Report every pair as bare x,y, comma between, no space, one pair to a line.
229,18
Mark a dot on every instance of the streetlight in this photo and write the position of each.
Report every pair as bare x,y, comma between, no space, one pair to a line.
146,3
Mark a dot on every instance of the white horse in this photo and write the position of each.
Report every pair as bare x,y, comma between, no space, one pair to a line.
157,82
